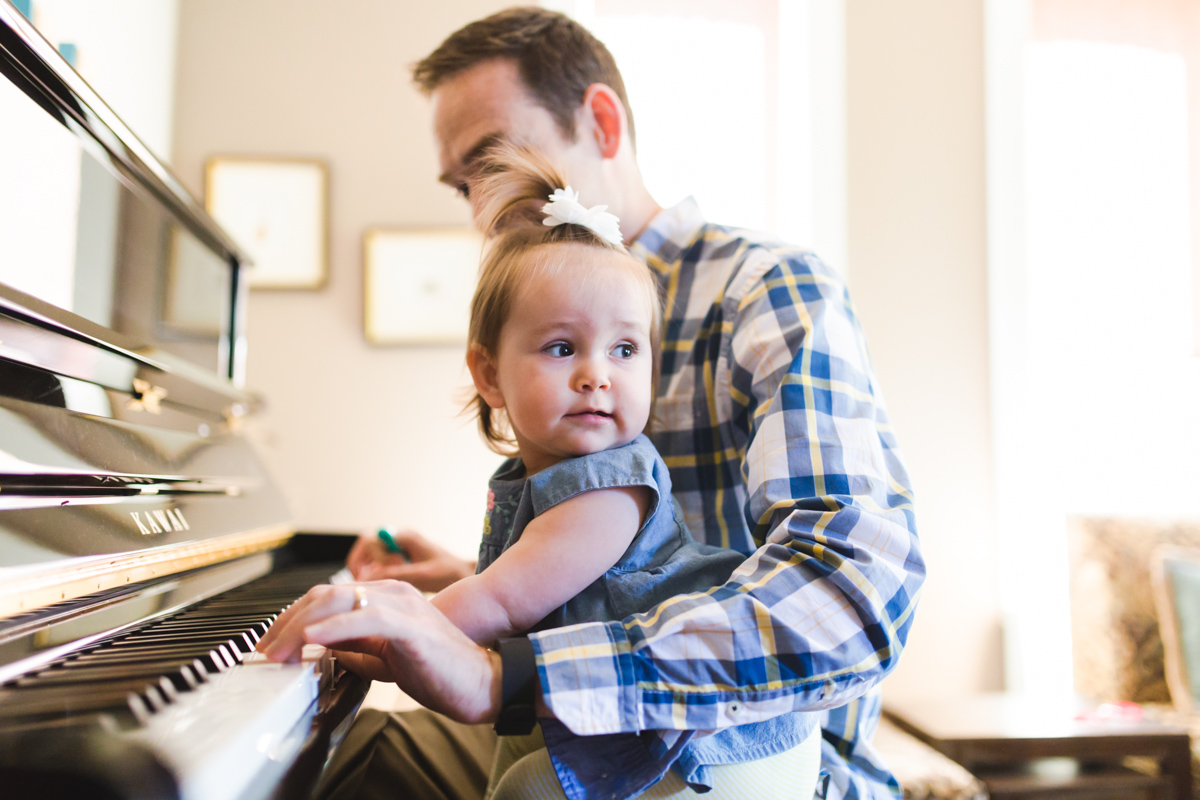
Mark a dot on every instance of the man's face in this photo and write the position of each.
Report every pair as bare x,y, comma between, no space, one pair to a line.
489,103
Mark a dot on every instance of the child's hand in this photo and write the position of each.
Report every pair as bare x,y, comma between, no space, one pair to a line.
431,568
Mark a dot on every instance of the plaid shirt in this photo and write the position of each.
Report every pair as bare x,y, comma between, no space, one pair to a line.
771,423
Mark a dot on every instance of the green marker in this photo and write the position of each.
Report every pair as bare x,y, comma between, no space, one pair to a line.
385,536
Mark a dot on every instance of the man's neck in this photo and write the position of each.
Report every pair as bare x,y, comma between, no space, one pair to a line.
639,214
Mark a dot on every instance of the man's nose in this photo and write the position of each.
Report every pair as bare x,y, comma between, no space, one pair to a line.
591,375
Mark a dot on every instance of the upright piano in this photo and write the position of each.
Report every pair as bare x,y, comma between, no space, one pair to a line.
143,547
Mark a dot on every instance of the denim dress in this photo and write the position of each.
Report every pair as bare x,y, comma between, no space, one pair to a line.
661,562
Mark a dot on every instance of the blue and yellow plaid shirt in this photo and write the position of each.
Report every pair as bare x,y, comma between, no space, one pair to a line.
770,420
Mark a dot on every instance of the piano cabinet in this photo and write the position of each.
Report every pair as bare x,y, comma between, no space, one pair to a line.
144,549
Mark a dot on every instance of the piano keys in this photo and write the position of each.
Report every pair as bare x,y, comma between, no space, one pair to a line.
144,549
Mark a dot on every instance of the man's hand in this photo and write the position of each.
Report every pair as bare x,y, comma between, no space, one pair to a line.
397,636
432,568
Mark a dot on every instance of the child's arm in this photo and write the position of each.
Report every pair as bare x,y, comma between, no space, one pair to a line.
558,555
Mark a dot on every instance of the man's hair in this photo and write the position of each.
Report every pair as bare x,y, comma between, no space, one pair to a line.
558,60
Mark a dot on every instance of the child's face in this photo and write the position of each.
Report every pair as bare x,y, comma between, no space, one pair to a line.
573,368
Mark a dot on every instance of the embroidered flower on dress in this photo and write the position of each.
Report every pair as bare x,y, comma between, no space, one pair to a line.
491,500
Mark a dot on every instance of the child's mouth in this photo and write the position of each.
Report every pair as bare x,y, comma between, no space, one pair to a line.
592,414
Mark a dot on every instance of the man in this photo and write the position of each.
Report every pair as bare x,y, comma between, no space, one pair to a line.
772,427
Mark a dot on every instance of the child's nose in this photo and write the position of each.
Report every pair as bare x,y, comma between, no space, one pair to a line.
591,376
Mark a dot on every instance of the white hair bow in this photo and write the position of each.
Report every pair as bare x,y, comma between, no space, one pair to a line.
564,208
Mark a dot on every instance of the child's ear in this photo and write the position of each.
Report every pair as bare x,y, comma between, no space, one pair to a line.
483,373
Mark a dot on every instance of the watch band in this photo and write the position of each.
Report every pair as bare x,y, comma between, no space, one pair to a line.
518,680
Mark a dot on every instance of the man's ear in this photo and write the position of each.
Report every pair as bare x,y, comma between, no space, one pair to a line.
483,374
608,116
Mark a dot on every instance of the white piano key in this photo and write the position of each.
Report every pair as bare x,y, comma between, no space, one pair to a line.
220,737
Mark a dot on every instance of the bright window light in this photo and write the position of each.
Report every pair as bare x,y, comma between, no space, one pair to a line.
1110,388
1110,309
683,75
39,198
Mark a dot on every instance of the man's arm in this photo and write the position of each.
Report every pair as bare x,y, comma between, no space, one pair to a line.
427,566
821,611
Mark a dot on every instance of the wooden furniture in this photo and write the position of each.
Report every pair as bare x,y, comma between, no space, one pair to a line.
1028,748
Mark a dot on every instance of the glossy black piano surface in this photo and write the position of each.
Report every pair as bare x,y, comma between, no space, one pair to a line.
143,548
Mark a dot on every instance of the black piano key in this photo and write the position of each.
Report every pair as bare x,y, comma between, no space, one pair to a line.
236,639
132,675
181,674
201,667
144,653
59,700
253,625
215,659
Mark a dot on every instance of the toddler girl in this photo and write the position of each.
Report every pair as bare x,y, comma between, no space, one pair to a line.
580,525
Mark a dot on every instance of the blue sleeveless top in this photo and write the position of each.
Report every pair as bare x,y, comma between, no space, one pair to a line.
661,562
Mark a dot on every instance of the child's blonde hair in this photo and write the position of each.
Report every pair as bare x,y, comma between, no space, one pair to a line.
515,183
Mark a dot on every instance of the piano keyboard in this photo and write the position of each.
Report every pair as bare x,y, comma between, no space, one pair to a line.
190,686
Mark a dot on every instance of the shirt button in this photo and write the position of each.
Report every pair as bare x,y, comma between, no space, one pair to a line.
733,709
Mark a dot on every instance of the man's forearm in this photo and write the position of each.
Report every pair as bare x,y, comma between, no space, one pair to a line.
797,628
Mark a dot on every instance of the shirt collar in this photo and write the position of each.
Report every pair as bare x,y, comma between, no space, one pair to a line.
678,225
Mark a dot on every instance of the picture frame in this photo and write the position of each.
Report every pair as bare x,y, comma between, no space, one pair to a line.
277,210
418,283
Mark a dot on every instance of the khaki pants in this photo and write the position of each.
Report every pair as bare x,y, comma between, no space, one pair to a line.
410,755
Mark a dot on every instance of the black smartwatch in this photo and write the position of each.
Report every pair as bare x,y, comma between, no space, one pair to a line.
518,680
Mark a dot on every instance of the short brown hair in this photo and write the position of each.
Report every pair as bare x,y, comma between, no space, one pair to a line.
515,183
558,59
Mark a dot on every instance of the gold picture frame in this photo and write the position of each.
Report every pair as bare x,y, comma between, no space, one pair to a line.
417,284
277,210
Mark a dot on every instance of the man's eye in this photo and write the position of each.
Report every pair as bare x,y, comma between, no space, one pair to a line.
624,350
558,350
464,191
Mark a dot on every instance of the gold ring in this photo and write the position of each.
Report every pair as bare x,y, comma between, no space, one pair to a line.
360,598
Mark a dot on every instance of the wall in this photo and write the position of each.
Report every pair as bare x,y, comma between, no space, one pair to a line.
918,272
357,435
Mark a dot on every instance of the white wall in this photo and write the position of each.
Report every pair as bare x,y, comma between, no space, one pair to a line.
918,273
356,435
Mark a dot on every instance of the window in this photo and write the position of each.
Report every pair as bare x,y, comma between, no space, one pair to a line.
740,105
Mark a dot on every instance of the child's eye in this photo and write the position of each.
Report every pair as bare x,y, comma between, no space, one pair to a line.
624,350
558,350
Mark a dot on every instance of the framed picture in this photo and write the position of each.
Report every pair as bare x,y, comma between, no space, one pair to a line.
276,210
418,284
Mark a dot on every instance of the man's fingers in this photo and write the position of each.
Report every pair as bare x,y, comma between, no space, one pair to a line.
368,666
417,545
285,638
357,554
366,551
